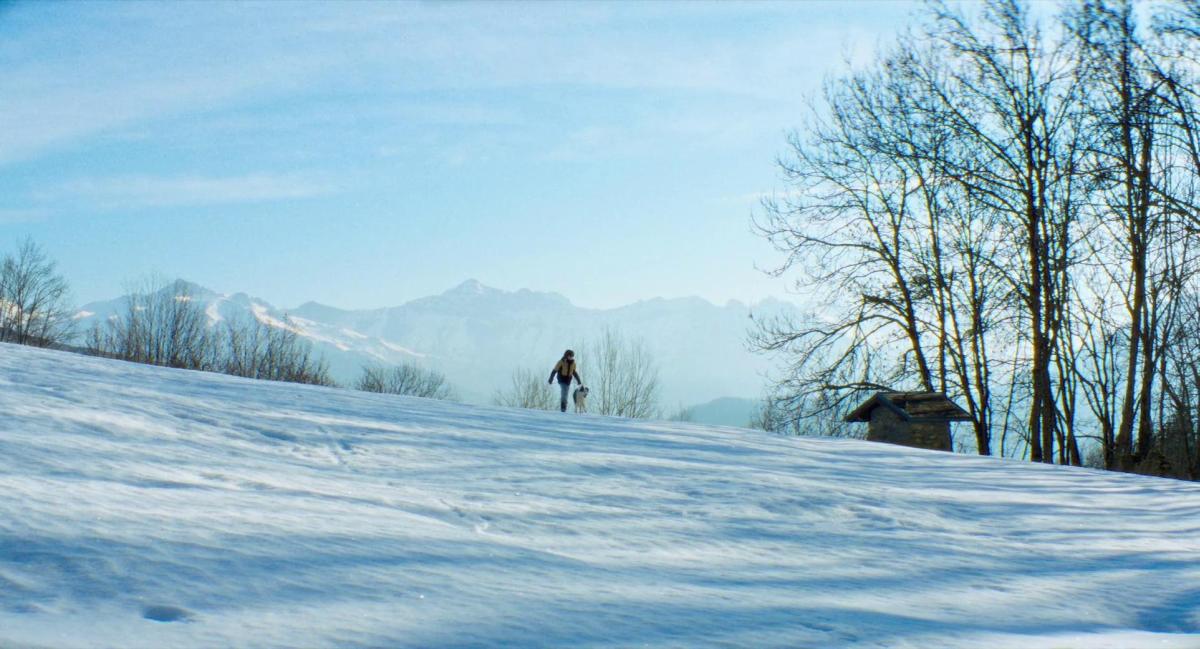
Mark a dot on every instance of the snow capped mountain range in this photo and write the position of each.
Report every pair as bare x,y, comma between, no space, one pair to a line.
477,335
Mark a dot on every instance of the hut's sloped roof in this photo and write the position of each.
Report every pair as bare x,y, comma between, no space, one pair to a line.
911,406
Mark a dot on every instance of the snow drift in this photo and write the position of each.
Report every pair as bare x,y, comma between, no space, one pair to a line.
146,507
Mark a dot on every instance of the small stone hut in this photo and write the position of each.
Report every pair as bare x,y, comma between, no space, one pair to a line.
920,419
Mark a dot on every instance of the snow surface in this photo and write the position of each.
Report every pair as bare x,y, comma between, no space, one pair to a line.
146,507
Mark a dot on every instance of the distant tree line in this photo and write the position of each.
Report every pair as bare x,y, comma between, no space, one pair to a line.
1005,209
164,324
167,326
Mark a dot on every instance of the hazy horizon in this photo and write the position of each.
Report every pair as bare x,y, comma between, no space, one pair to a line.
224,291
478,336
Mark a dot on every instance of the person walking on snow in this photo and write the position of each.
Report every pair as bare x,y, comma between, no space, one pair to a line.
565,371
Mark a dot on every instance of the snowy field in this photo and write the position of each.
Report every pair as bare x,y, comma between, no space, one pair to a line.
145,507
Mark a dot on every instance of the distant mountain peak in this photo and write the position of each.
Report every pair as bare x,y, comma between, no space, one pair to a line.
473,294
471,287
181,285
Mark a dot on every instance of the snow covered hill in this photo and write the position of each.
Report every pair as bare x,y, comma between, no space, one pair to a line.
146,507
477,336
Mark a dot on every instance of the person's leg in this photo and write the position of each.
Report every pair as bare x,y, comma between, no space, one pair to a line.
562,404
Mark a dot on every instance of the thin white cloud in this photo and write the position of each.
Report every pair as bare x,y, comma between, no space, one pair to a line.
152,191
21,215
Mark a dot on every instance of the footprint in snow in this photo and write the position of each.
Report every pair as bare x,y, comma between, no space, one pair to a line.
160,613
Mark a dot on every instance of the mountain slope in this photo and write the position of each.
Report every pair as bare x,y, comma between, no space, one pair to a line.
726,411
477,336
146,507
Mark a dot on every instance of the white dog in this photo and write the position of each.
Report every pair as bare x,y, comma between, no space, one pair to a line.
580,396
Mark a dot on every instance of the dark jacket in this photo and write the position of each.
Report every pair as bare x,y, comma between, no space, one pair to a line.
565,371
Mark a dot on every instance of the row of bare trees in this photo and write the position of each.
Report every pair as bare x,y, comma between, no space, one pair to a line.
168,326
621,374
165,324
159,325
1004,208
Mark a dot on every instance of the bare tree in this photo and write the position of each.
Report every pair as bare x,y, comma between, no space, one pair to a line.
905,259
847,226
159,325
1177,442
33,299
1142,211
270,351
622,376
683,413
1008,91
527,390
406,379
789,414
768,417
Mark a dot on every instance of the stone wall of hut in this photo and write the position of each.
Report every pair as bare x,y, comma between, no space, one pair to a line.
887,426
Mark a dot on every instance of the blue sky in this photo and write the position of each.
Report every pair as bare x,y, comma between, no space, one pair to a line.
363,154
